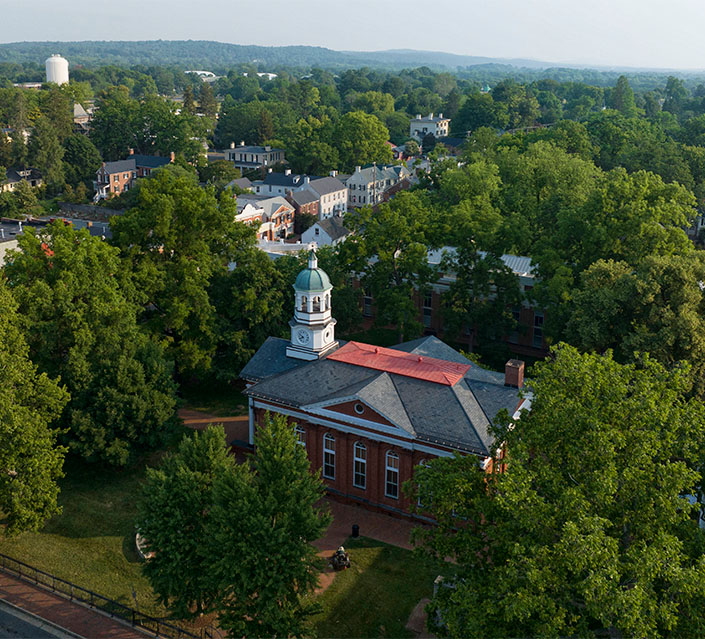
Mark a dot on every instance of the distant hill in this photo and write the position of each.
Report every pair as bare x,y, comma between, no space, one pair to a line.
209,55
219,57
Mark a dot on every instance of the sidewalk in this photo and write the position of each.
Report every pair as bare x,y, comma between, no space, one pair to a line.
66,614
236,428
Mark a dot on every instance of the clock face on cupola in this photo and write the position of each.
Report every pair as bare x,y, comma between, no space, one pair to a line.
312,327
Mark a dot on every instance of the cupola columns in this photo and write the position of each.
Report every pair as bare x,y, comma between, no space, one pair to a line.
312,327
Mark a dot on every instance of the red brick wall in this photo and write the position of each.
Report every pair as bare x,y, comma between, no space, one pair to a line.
373,495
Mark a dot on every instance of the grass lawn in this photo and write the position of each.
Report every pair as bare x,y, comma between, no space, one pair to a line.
222,400
376,595
92,543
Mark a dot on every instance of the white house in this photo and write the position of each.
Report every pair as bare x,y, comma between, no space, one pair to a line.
332,195
420,127
328,232
374,184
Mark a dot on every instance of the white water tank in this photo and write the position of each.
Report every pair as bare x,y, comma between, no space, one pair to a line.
57,69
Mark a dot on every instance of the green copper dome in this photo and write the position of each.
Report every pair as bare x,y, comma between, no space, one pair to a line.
312,278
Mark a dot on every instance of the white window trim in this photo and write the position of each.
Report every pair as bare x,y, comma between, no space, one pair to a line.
328,451
300,436
387,469
363,462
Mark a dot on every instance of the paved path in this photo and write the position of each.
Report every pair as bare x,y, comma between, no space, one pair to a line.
236,428
74,617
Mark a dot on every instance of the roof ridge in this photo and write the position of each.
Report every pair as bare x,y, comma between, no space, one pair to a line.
477,401
403,405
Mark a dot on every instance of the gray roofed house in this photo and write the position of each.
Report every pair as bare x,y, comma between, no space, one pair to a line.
332,196
303,197
241,183
14,176
328,232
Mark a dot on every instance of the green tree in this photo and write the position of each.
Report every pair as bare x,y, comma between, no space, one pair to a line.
219,173
361,139
309,146
206,101
588,531
113,124
56,106
657,307
81,159
46,153
389,250
174,518
82,328
26,202
481,297
267,517
188,105
176,239
30,459
249,307
622,98
411,147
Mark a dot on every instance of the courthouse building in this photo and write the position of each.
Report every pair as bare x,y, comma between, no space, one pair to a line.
368,415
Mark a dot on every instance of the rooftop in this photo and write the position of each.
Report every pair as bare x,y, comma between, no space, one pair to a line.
389,360
326,185
457,415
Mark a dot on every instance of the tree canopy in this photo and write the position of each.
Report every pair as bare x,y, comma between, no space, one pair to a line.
588,531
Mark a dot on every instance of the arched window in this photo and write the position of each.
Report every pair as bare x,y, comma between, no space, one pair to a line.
391,483
300,435
328,456
359,466
304,302
327,302
316,304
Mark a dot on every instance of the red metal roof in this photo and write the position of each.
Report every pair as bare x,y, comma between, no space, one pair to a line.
438,371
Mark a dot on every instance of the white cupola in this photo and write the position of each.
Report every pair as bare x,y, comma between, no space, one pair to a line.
312,327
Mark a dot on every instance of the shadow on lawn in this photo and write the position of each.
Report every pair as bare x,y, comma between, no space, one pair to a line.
376,595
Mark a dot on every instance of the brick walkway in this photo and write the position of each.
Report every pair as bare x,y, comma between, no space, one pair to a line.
236,428
66,614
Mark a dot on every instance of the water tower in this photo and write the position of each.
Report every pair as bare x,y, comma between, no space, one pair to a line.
57,69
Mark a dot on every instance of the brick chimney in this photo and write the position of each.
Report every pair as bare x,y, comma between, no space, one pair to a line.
514,373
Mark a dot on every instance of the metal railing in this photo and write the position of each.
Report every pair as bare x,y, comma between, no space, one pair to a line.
72,592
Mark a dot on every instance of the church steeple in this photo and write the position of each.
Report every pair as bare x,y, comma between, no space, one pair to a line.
312,327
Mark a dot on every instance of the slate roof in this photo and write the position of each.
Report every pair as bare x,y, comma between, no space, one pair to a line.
334,227
151,161
327,185
272,204
242,183
282,179
13,175
458,416
120,166
303,197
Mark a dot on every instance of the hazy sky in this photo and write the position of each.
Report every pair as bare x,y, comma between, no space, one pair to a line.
645,33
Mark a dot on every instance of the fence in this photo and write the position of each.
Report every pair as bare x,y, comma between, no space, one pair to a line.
71,591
